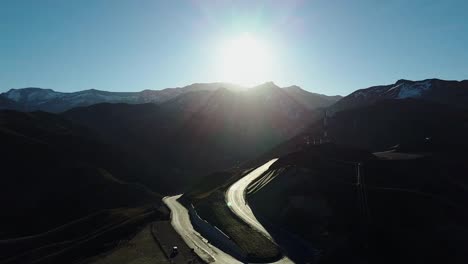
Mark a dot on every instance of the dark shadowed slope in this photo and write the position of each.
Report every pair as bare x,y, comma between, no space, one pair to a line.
384,124
198,132
54,172
402,206
9,104
392,122
399,210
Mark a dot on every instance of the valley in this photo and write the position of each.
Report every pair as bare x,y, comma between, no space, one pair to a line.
284,175
228,132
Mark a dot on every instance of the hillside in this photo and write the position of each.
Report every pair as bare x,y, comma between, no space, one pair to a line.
335,204
414,190
311,100
404,210
55,172
454,93
384,124
8,104
197,132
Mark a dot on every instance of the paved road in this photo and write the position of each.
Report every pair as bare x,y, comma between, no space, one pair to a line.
181,221
235,198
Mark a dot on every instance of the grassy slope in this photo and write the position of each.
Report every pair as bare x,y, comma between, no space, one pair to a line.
208,199
54,173
257,247
141,249
79,239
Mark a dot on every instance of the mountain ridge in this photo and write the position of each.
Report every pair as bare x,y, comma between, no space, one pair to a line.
44,99
434,90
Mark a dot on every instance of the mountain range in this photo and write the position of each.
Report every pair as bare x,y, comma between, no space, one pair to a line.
199,132
72,155
33,99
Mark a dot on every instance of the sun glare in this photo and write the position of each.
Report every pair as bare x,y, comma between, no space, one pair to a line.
245,60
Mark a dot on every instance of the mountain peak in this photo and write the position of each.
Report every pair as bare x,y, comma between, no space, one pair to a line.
432,90
270,83
432,80
293,87
402,81
92,91
222,91
266,85
29,89
29,92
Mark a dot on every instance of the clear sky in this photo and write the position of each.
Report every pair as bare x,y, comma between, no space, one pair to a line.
326,46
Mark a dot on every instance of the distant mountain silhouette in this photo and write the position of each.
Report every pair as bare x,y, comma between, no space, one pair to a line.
32,99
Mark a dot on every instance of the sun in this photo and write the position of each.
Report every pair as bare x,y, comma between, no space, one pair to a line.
245,60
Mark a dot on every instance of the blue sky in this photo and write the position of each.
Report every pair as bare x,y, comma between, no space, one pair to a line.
326,46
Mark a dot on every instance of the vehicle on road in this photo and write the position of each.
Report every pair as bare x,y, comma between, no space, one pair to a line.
175,251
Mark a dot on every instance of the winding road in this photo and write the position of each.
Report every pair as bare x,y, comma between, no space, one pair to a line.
180,220
235,196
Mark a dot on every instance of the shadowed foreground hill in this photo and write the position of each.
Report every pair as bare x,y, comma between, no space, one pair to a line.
54,172
408,208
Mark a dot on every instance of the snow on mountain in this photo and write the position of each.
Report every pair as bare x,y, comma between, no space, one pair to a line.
412,90
32,94
434,90
32,99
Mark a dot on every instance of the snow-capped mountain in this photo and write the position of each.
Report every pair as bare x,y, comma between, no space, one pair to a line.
32,99
454,93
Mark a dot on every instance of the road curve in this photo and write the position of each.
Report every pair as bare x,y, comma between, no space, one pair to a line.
180,220
235,196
